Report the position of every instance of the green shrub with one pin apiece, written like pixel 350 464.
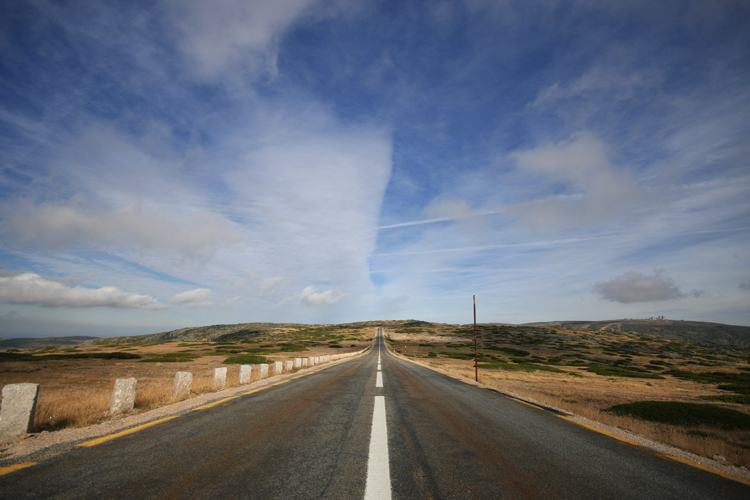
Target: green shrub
pixel 620 371
pixel 576 362
pixel 18 356
pixel 457 355
pixel 246 359
pixel 520 366
pixel 502 365
pixel 684 414
pixel 174 357
pixel 510 350
pixel 659 362
pixel 742 399
pixel 737 382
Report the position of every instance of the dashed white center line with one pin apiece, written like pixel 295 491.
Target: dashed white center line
pixel 378 471
pixel 379 381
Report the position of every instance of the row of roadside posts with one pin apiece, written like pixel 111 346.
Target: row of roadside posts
pixel 19 400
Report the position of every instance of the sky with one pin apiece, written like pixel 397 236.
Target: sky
pixel 166 164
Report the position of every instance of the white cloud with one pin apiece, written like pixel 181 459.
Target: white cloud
pixel 595 189
pixel 192 298
pixel 635 287
pixel 317 299
pixel 30 288
pixel 64 226
pixel 222 33
pixel 270 283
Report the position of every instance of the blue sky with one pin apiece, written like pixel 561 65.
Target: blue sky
pixel 177 163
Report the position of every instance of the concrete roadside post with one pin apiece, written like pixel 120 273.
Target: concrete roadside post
pixel 278 367
pixel 297 363
pixel 123 395
pixel 305 362
pixel 183 384
pixel 311 361
pixel 220 378
pixel 246 371
pixel 263 370
pixel 317 360
pixel 18 409
pixel 288 366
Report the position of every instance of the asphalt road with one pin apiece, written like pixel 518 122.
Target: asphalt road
pixel 334 434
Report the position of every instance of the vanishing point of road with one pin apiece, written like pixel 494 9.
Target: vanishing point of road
pixel 372 427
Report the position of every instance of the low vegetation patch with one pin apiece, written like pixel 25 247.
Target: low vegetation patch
pixel 510 350
pixel 18 356
pixel 736 382
pixel 620 371
pixel 246 359
pixel 525 367
pixel 684 414
pixel 172 357
pixel 740 399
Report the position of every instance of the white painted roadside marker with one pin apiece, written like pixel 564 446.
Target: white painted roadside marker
pixel 378 472
pixel 379 381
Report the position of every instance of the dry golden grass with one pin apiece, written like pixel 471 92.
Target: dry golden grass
pixel 585 393
pixel 77 392
pixel 588 396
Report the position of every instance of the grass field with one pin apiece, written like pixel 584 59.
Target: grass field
pixel 588 372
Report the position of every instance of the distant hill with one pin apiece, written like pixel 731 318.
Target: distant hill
pixel 217 333
pixel 41 343
pixel 695 331
pixel 213 333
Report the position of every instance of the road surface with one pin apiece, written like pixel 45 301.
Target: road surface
pixel 352 431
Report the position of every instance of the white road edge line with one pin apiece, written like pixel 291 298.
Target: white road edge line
pixel 379 381
pixel 378 471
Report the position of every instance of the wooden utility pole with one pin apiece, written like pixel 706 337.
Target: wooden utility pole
pixel 476 368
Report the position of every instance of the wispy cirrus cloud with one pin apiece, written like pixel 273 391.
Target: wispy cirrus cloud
pixel 30 288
